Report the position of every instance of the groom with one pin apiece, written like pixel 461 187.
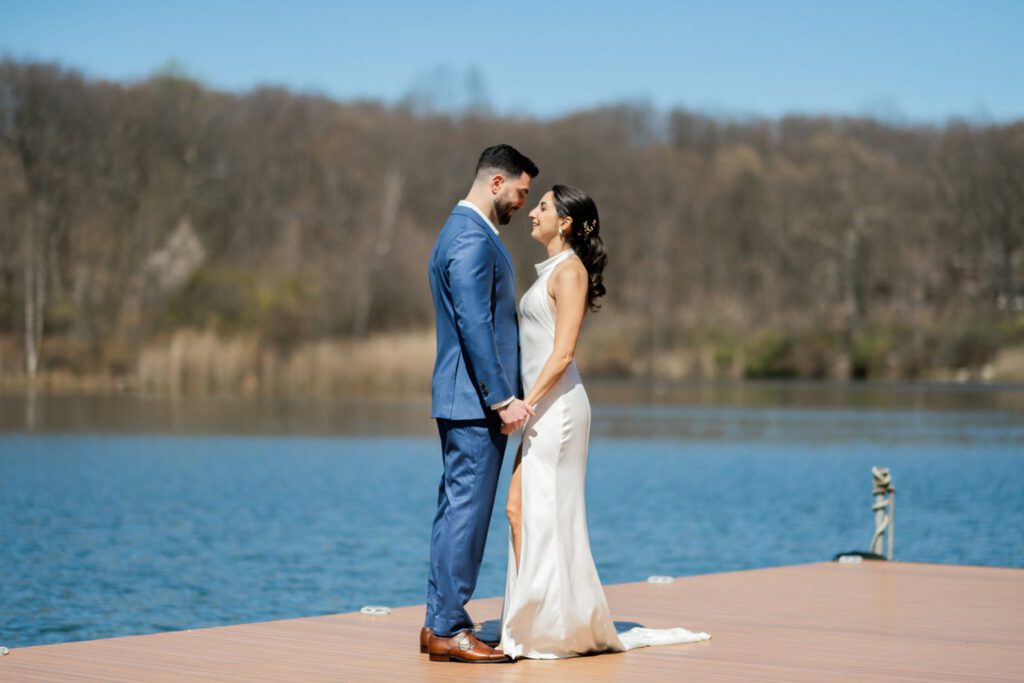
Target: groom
pixel 475 387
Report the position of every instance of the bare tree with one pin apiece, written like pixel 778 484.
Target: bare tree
pixel 381 242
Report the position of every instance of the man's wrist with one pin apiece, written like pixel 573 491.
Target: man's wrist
pixel 502 404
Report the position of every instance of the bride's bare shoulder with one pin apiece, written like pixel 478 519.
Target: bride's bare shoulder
pixel 570 273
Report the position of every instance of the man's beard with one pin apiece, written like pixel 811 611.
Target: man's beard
pixel 503 210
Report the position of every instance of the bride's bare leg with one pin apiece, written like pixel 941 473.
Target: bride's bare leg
pixel 514 509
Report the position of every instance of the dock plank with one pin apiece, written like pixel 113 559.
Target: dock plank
pixel 874 621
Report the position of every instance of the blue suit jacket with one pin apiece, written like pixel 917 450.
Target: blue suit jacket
pixel 474 289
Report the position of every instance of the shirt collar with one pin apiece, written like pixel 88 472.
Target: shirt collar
pixel 471 205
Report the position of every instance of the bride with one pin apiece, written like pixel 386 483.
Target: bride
pixel 554 604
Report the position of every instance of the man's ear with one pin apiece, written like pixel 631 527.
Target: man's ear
pixel 497 181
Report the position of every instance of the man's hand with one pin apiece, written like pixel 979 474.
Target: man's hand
pixel 514 415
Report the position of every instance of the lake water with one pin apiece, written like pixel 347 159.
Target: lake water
pixel 125 516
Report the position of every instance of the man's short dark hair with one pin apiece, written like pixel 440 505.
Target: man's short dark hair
pixel 508 160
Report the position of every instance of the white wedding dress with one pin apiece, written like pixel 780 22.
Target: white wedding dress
pixel 554 604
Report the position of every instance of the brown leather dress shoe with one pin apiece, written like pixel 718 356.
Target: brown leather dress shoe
pixel 425 640
pixel 425 634
pixel 464 647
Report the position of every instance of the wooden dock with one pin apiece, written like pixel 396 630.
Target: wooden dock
pixel 873 621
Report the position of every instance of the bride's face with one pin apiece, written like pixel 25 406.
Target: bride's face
pixel 545 219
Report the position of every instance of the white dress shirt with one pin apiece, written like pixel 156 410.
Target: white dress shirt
pixel 471 205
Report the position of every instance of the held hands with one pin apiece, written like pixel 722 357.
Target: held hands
pixel 514 415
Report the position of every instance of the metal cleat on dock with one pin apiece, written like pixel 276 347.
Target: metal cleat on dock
pixel 375 610
pixel 660 579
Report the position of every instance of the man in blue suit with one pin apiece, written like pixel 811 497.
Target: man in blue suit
pixel 476 386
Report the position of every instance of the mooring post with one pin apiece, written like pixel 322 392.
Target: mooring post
pixel 884 508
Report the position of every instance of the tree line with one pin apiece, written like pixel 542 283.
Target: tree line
pixel 817 246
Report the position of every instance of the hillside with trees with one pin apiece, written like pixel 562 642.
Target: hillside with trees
pixel 164 236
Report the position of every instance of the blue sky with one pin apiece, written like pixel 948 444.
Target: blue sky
pixel 900 60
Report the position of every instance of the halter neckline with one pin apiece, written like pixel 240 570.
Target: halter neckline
pixel 545 266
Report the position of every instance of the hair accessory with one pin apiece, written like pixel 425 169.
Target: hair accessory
pixel 588 227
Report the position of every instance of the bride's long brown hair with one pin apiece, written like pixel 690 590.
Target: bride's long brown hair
pixel 584 236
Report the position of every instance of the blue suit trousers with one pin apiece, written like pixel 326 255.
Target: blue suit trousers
pixel 472 453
